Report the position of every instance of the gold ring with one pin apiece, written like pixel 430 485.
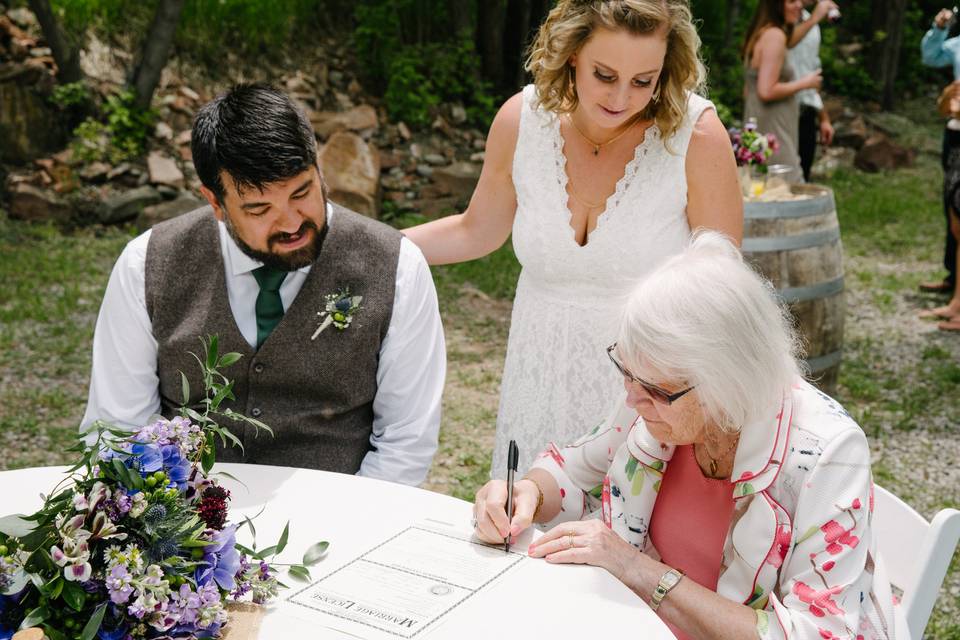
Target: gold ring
pixel 570 546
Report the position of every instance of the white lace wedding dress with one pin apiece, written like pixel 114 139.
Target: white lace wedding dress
pixel 557 381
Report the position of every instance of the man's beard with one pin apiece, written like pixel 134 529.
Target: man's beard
pixel 291 261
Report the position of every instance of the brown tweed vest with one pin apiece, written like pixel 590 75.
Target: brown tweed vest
pixel 316 395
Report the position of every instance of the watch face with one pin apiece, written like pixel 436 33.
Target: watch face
pixel 670 579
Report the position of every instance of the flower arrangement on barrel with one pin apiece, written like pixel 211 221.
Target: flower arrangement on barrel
pixel 136 541
pixel 752 149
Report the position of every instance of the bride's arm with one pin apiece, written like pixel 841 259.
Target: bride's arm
pixel 714 200
pixel 486 223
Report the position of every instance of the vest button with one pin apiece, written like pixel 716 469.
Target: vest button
pixel 256 412
pixel 258 368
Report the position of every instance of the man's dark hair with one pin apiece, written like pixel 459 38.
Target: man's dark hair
pixel 255 133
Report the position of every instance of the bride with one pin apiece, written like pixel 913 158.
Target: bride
pixel 601 168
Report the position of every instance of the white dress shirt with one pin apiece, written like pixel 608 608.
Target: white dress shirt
pixel 124 386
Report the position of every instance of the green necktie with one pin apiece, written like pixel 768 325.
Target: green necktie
pixel 269 305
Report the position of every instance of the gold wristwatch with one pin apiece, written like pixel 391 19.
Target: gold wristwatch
pixel 668 581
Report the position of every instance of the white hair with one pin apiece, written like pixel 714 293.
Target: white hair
pixel 707 319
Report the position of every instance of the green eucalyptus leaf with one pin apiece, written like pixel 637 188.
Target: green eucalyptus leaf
pixel 250 552
pixel 234 439
pixel 315 553
pixel 269 551
pixel 232 477
pixel 93 625
pixel 282 543
pixel 74 595
pixel 15 526
pixel 222 394
pixel 209 456
pixel 35 617
pixel 52 633
pixel 228 359
pixel 185 386
pixel 299 573
pixel 212 348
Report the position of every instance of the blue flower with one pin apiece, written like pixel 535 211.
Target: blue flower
pixel 118 633
pixel 145 458
pixel 221 561
pixel 344 304
pixel 176 467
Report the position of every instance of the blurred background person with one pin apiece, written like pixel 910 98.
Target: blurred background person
pixel 939 50
pixel 771 83
pixel 949 105
pixel 804 57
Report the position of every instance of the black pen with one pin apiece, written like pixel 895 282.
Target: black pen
pixel 512 458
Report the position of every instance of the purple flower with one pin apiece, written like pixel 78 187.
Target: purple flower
pixel 175 466
pixel 119 584
pixel 221 560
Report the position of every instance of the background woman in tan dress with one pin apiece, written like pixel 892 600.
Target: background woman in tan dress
pixel 770 84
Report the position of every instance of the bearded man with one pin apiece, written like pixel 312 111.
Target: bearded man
pixel 335 314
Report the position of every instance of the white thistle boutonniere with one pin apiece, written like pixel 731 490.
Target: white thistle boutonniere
pixel 338 311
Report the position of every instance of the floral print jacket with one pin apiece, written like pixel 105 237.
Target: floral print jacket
pixel 801 549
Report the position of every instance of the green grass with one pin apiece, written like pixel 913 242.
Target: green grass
pixel 895 214
pixel 51 283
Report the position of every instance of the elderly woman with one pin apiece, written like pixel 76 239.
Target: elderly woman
pixel 731 495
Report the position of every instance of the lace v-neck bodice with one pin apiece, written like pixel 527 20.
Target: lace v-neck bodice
pixel 614 199
pixel 557 382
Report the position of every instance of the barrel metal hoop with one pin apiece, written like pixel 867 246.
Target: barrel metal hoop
pixel 825 361
pixel 789 243
pixel 820 290
pixel 790 208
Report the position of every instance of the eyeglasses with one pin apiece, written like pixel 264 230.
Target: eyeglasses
pixel 656 393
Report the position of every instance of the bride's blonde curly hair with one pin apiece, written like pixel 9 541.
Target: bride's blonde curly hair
pixel 571 23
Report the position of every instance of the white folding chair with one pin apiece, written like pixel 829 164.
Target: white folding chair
pixel 916 554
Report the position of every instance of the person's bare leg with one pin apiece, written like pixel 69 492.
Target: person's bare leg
pixel 951 311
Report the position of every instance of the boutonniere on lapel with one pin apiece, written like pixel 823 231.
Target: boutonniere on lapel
pixel 338 311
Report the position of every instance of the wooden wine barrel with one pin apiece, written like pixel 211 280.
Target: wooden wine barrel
pixel 796 244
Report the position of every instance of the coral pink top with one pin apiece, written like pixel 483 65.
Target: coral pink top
pixel 690 520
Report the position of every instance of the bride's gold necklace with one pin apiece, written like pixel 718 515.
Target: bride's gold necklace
pixel 596 151
pixel 598 145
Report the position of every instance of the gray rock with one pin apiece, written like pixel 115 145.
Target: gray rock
pixel 127 205
pixel 435 159
pixel 95 172
pixel 459 179
pixel 168 192
pixel 118 170
pixel 164 170
pixel 458 114
pixel 157 213
pixel 879 153
pixel 23 17
pixel 28 202
pixel 424 170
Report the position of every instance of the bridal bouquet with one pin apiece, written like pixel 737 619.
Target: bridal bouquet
pixel 750 147
pixel 135 542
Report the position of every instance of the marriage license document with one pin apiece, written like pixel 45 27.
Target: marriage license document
pixel 405 586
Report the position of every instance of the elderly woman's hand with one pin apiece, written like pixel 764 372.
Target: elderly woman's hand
pixel 490 512
pixel 587 542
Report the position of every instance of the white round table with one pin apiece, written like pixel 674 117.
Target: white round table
pixel 354 514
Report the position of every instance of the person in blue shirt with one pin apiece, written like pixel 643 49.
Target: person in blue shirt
pixel 939 50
